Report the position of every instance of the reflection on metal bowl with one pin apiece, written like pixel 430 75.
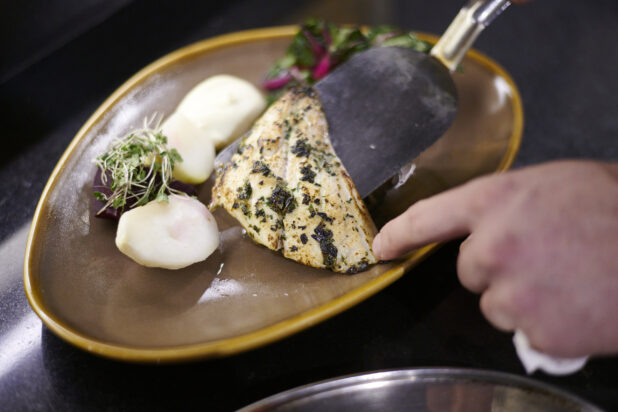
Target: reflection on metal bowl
pixel 430 390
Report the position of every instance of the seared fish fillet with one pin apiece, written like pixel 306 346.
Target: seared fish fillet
pixel 289 190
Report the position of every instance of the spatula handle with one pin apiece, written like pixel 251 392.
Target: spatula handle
pixel 469 23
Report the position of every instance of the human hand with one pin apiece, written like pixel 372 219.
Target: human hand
pixel 542 250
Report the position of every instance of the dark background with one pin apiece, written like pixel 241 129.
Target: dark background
pixel 60 60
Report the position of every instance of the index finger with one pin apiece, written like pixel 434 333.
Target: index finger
pixel 445 216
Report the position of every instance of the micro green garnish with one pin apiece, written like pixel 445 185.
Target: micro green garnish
pixel 139 166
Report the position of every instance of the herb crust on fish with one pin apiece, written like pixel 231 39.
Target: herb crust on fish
pixel 289 190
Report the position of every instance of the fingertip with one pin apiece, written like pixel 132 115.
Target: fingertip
pixel 377 247
pixel 384 248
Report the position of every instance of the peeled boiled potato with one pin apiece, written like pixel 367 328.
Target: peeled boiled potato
pixel 170 235
pixel 224 106
pixel 193 145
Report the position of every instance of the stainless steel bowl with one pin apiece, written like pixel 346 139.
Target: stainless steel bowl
pixel 432 389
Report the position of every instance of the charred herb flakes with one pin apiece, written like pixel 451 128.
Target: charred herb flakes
pixel 301 148
pixel 245 192
pixel 325 238
pixel 261 167
pixel 308 174
pixel 281 201
pixel 361 267
pixel 325 217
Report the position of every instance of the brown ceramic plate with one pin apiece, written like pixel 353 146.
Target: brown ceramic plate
pixel 244 295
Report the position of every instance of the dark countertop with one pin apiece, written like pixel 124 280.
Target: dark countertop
pixel 563 56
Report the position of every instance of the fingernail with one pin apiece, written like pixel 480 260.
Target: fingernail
pixel 377 246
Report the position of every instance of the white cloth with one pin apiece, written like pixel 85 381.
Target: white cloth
pixel 533 359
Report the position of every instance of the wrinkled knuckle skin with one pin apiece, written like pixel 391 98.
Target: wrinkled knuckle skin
pixel 487 260
pixel 610 169
pixel 502 251
pixel 525 300
pixel 507 184
pixel 494 190
pixel 483 198
pixel 482 259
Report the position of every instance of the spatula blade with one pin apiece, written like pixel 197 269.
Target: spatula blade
pixel 384 107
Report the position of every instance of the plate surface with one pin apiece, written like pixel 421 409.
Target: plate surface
pixel 426 390
pixel 244 295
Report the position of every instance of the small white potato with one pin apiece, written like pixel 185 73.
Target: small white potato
pixel 224 106
pixel 193 145
pixel 170 235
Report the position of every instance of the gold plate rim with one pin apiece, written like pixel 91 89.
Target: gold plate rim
pixel 265 335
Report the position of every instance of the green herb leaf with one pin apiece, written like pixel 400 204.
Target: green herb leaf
pixel 376 32
pixel 407 40
pixel 301 50
pixel 321 44
pixel 161 197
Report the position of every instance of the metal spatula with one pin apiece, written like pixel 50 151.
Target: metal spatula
pixel 386 105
